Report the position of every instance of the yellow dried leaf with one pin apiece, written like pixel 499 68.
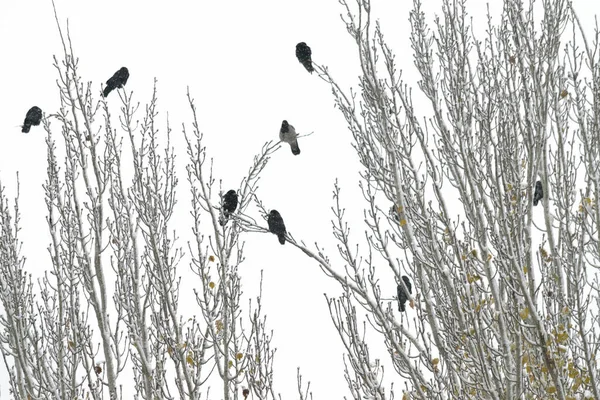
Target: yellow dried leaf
pixel 211 285
pixel 525 270
pixel 573 373
pixel 562 337
pixel 551 389
pixel 524 313
pixel 509 186
pixel 405 396
pixel 489 257
pixel 239 356
pixel 400 209
pixel 402 222
pixel 435 361
pixel 230 363
pixel 474 253
pixel 211 258
pixel 189 359
pixel 564 93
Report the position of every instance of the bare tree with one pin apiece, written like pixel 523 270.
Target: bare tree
pixel 108 314
pixel 505 295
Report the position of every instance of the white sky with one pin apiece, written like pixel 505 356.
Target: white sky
pixel 238 58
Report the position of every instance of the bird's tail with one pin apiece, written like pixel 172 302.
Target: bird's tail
pixel 281 237
pixel 295 148
pixel 25 128
pixel 107 90
pixel 308 65
pixel 223 218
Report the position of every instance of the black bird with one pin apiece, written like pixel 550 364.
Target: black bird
pixel 228 206
pixel 116 81
pixel 33 117
pixel 276 225
pixel 288 134
pixel 539 193
pixel 303 54
pixel 402 295
pixel 394 213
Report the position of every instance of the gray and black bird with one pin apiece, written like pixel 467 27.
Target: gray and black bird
pixel 402 295
pixel 276 225
pixel 228 206
pixel 116 81
pixel 538 194
pixel 303 54
pixel 33 117
pixel 288 134
pixel 394 213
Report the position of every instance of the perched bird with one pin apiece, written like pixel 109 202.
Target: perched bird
pixel 228 206
pixel 303 54
pixel 402 295
pixel 539 193
pixel 33 117
pixel 288 134
pixel 276 225
pixel 245 392
pixel 116 81
pixel 394 213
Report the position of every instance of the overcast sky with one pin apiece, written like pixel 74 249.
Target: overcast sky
pixel 238 59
